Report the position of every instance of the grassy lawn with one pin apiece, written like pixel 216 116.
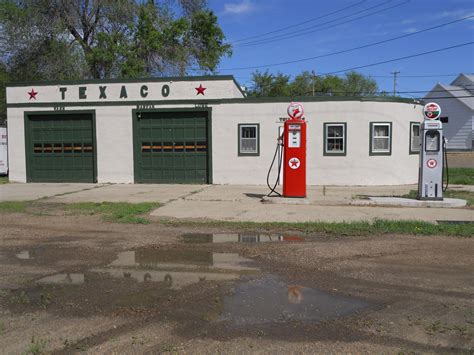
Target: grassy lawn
pixel 14 206
pixel 342 229
pixel 122 212
pixel 461 176
pixel 3 180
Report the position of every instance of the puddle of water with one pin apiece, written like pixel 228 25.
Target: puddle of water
pixel 23 255
pixel 270 300
pixel 182 259
pixel 68 279
pixel 239 238
pixel 177 268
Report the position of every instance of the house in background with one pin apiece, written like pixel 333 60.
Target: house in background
pixel 457 111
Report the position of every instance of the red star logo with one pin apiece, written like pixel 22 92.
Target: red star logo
pixel 200 90
pixel 33 94
pixel 294 163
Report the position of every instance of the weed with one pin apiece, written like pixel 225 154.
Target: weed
pixel 171 349
pixel 2 328
pixel 21 298
pixel 13 206
pixel 3 180
pixel 37 346
pixel 44 300
pixel 121 212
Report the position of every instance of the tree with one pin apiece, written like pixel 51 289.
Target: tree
pixel 352 84
pixel 3 81
pixel 269 85
pixel 107 38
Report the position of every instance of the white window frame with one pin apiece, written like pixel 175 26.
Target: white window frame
pixel 415 150
pixel 326 138
pixel 387 151
pixel 257 139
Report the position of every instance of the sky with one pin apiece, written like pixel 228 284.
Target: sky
pixel 264 32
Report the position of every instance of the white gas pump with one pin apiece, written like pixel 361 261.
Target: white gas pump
pixel 430 179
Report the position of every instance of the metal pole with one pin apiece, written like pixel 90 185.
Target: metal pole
pixel 395 73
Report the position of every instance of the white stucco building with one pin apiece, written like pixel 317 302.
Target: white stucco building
pixel 200 130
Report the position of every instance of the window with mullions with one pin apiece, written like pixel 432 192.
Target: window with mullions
pixel 380 138
pixel 335 139
pixel 249 139
pixel 415 142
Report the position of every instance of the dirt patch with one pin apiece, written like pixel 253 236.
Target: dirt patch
pixel 77 283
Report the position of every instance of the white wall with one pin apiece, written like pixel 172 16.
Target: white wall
pixel 356 168
pixel 115 142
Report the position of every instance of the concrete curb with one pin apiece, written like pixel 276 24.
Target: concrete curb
pixel 407 202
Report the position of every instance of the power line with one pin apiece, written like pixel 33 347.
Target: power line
pixel 298 24
pixel 301 32
pixel 247 78
pixel 354 48
pixel 400 58
pixel 384 92
pixel 447 97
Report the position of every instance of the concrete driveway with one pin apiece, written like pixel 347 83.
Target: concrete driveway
pixel 238 203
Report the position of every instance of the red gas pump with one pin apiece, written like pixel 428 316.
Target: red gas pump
pixel 294 157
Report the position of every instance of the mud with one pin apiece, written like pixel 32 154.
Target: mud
pixel 78 284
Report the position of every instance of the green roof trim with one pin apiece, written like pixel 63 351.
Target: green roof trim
pixel 218 101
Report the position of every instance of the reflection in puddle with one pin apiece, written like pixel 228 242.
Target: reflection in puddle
pixel 239 238
pixel 177 268
pixel 24 255
pixel 73 279
pixel 268 299
pixel 182 259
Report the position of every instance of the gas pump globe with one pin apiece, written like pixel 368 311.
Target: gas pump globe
pixel 430 179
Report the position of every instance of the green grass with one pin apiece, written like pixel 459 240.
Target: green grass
pixel 121 212
pixel 342 228
pixel 462 194
pixel 37 346
pixel 14 206
pixel 3 180
pixel 461 176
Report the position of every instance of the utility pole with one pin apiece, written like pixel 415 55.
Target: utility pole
pixel 395 73
pixel 314 77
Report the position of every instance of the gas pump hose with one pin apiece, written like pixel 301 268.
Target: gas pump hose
pixel 446 164
pixel 278 152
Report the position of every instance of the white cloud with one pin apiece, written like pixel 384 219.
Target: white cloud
pixel 410 30
pixel 238 8
pixel 456 13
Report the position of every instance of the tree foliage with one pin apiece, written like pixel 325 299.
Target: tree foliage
pixel 266 84
pixel 66 39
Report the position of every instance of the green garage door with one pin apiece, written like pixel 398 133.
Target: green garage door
pixel 60 148
pixel 171 147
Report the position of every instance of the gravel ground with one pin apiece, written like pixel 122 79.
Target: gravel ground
pixel 78 284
